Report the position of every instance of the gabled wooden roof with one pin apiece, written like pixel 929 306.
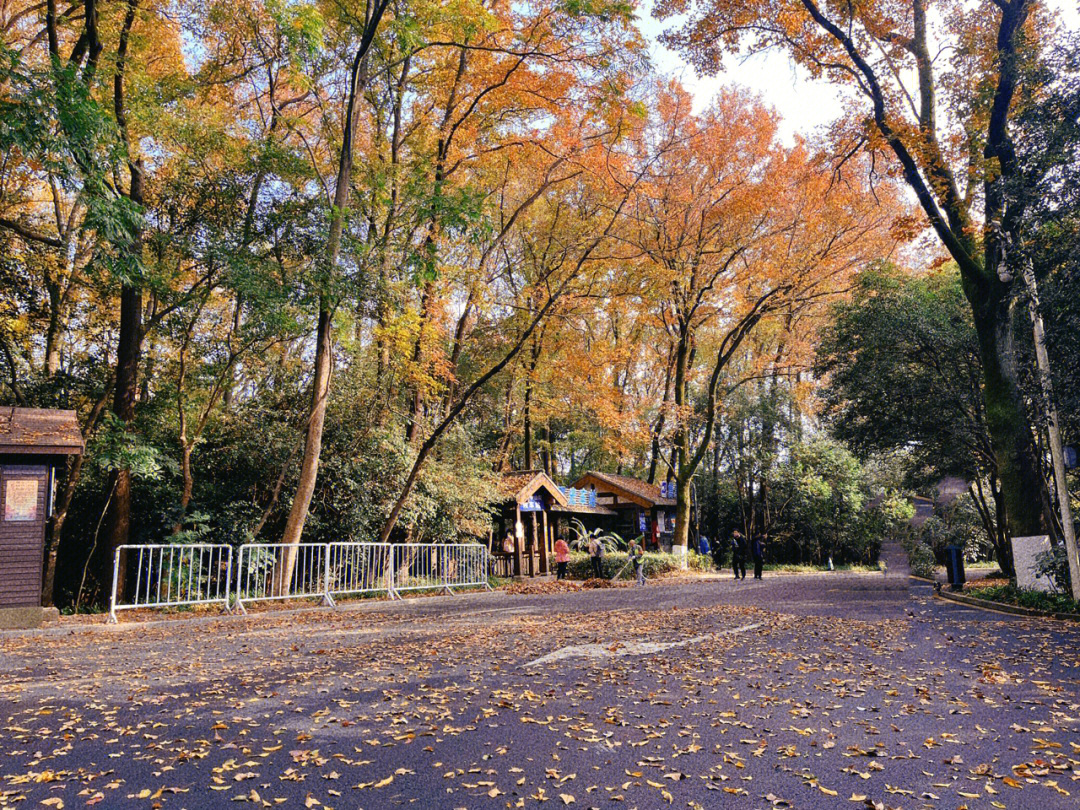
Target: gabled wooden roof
pixel 523 484
pixel 632 489
pixel 37 430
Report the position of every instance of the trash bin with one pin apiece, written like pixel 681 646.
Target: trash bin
pixel 954 567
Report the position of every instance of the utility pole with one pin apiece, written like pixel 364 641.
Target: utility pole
pixel 1057 454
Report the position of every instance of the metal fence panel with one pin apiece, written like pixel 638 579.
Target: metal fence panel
pixel 415 567
pixel 420 566
pixel 266 571
pixel 467 566
pixel 171 576
pixel 357 568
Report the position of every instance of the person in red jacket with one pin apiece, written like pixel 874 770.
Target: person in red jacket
pixel 562 558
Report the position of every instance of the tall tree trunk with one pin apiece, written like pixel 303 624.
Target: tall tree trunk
pixel 526 427
pixel 129 342
pixel 127 373
pixel 54 331
pixel 309 467
pixel 320 386
pixel 1053 429
pixel 683 472
pixel 546 452
pixel 1010 432
pixel 228 390
pixel 658 427
pixel 63 505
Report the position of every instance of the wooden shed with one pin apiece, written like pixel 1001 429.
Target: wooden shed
pixel 33 443
pixel 642 508
pixel 524 513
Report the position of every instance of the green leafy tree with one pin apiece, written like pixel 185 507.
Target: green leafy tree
pixel 903 372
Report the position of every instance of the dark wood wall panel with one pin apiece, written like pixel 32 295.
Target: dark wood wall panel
pixel 21 542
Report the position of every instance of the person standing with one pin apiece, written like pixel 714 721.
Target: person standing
pixel 596 557
pixel 703 546
pixel 562 558
pixel 738 554
pixel 637 559
pixel 759 554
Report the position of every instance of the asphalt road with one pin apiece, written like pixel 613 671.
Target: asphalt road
pixel 797 691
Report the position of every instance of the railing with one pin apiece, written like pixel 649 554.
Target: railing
pixel 502 565
pixel 358 568
pixel 268 571
pixel 179 575
pixel 421 567
pixel 171 576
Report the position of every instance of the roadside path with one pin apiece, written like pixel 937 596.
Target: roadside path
pixel 801 691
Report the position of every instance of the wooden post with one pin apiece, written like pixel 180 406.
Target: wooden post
pixel 517 540
pixel 544 568
pixel 532 546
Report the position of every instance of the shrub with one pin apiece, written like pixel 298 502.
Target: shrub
pixel 1038 600
pixel 921 558
pixel 1054 565
pixel 656 563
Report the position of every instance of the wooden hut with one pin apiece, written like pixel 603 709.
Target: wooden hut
pixel 641 508
pixel 524 511
pixel 33 443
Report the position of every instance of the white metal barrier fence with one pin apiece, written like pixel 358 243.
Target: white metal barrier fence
pixel 179 575
pixel 419 566
pixel 170 576
pixel 358 568
pixel 267 571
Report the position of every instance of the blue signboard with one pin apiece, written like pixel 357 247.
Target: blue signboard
pixel 667 489
pixel 534 504
pixel 579 497
pixel 643 522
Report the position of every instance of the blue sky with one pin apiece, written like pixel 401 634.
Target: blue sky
pixel 805 104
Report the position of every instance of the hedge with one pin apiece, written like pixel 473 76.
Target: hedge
pixel 1036 600
pixel 656 563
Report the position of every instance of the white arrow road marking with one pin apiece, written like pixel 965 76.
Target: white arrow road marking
pixel 619 649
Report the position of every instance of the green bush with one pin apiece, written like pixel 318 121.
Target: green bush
pixel 921 558
pixel 1037 600
pixel 1054 565
pixel 656 563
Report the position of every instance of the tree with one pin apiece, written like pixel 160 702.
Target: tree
pixel 959 165
pixel 898 344
pixel 734 229
pixel 320 383
pixel 1048 145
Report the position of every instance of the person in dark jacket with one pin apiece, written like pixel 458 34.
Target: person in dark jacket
pixel 738 554
pixel 596 557
pixel 758 550
pixel 636 555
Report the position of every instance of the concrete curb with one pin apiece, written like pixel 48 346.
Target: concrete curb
pixel 1002 607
